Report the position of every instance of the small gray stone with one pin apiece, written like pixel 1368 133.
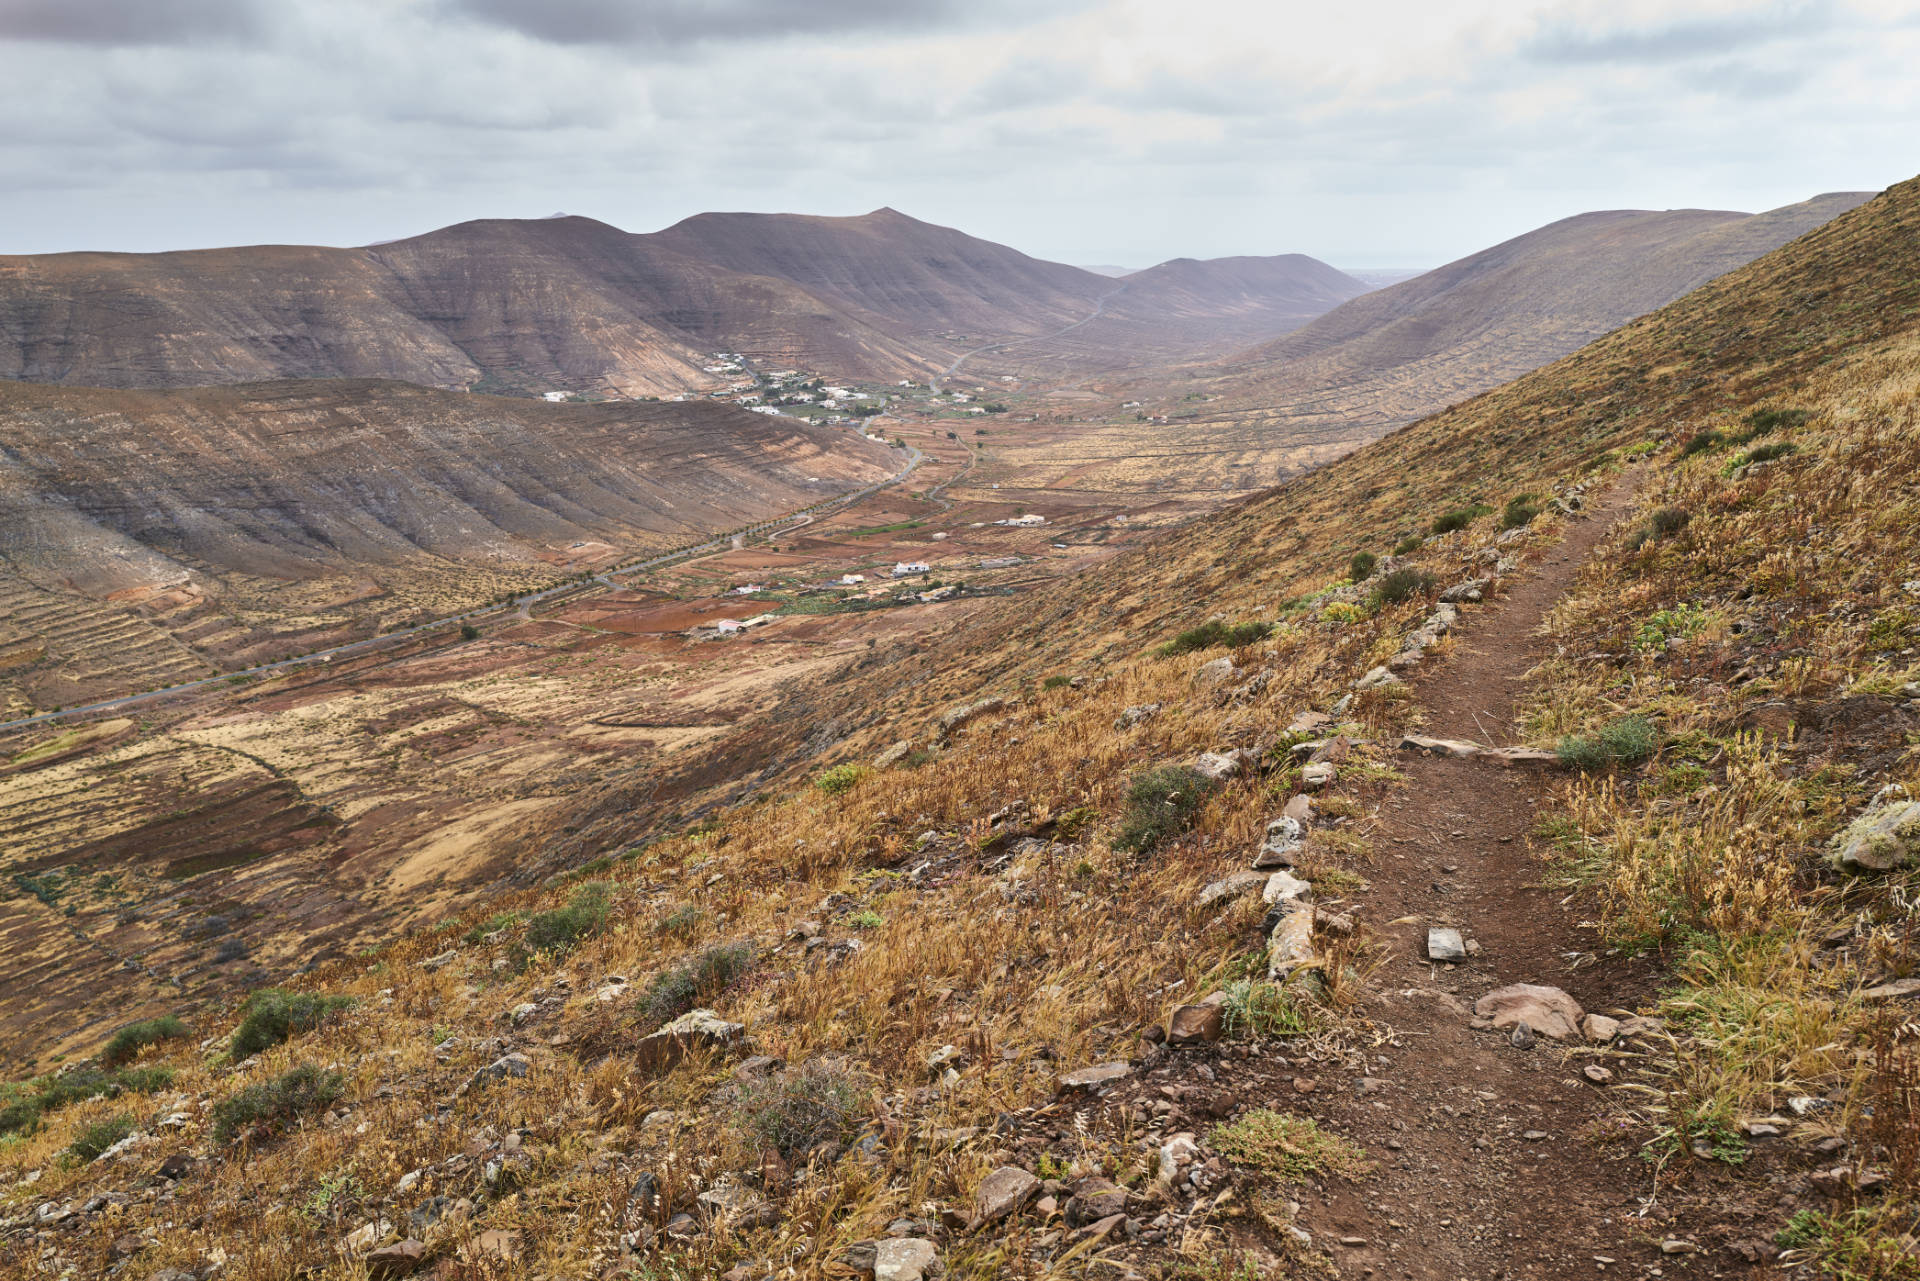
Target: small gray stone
pixel 1445 944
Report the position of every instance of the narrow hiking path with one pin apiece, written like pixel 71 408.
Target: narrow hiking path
pixel 1488 1160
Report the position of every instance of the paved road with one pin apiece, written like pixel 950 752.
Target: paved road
pixel 522 605
pixel 933 384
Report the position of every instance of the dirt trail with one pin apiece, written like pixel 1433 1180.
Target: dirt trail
pixel 1487 1162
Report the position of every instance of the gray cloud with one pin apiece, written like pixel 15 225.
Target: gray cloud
pixel 1573 43
pixel 128 22
pixel 683 22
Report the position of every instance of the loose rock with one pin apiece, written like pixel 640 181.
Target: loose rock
pixel 1546 1010
pixel 1002 1193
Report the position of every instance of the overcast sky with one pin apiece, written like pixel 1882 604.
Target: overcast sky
pixel 1368 133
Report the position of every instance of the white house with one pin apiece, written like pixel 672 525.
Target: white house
pixel 851 580
pixel 730 626
pixel 554 397
pixel 1027 521
pixel 907 567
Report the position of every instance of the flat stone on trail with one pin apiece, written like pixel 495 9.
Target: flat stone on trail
pixel 1445 944
pixel 1511 756
pixel 1317 775
pixel 1546 1010
pixel 1092 1078
pixel 1002 1193
pixel 1454 747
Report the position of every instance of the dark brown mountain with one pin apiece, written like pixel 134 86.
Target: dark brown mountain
pixel 1390 356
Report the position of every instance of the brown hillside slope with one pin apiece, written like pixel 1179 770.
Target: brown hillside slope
pixel 1398 353
pixel 215 521
pixel 931 944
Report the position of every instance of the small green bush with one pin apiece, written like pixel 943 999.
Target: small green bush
pixel 1768 452
pixel 1408 545
pixel 682 922
pixel 1161 803
pixel 1459 518
pixel 469 632
pixel 1701 443
pixel 97 1137
pixel 675 991
pixel 135 1037
pixel 271 1015
pixel 1214 632
pixel 559 929
pixel 1668 521
pixel 797 1111
pixel 1056 682
pixel 1401 585
pixel 23 1103
pixel 1762 421
pixel 295 1092
pixel 839 779
pixel 1521 509
pixel 1626 741
pixel 1360 568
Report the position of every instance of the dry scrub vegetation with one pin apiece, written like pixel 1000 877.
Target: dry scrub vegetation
pixel 972 894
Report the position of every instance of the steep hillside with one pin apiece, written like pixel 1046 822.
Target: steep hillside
pixel 222 524
pixel 1390 356
pixel 1010 997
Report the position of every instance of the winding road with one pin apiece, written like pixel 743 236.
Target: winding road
pixel 521 605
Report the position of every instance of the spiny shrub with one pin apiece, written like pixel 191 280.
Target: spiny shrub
pixel 797 1111
pixel 96 1138
pixel 1401 585
pixel 1459 518
pixel 1626 741
pixel 1214 632
pixel 559 929
pixel 1361 566
pixel 135 1037
pixel 22 1104
pixel 1161 803
pixel 1701 443
pixel 271 1015
pixel 1521 509
pixel 840 778
pixel 675 991
pixel 295 1092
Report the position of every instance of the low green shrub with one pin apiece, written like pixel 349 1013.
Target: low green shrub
pixel 1626 741
pixel 135 1037
pixel 96 1137
pixel 271 1015
pixel 839 779
pixel 1459 518
pixel 1401 585
pixel 1161 803
pixel 1668 521
pixel 1701 443
pixel 1520 511
pixel 1214 632
pixel 1056 682
pixel 1408 545
pixel 559 929
pixel 1768 452
pixel 675 991
pixel 797 1111
pixel 23 1103
pixel 1763 421
pixel 1360 568
pixel 294 1093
